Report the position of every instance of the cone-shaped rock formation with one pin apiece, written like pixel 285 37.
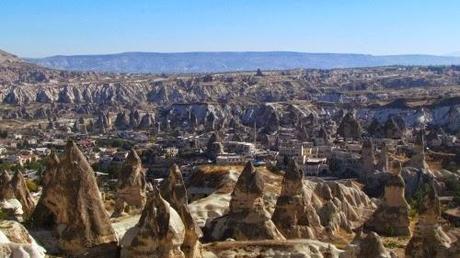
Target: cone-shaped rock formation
pixel 131 185
pixel 72 203
pixel 173 190
pixel 247 218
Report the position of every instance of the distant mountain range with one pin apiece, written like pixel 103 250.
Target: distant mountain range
pixel 194 62
pixel 457 54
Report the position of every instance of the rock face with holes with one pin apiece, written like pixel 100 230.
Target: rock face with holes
pixel 159 232
pixel 131 185
pixel 392 216
pixel 429 239
pixel 173 190
pixel 294 213
pixel 247 218
pixel 71 206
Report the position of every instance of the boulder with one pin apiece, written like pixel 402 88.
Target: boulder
pixel 15 241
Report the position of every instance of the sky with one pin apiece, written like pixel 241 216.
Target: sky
pixel 37 28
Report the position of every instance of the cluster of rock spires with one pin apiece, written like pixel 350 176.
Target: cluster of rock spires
pixel 303 209
pixel 393 128
pixel 159 232
pixel 134 121
pixel 15 189
pixel 174 191
pixel 71 208
pixel 166 227
pixel 247 218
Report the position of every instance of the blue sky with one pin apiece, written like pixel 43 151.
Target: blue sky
pixel 34 28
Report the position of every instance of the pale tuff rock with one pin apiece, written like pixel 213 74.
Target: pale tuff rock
pixel 392 216
pixel 418 159
pixel 299 248
pixel 72 204
pixel 247 218
pixel 12 189
pixel 368 157
pixel 210 121
pixel 6 189
pixel 173 190
pixel 429 240
pixel 12 209
pixel 159 232
pixel 131 188
pixel 22 193
pixel 16 242
pixel 367 245
pixel 383 161
pixel 294 214
pixel 340 206
pixel 349 127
